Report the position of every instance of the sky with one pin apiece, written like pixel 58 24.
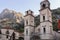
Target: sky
pixel 24 5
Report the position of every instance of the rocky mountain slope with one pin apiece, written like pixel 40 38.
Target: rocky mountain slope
pixel 11 14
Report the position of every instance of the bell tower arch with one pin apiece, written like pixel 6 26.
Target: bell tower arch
pixel 46 28
pixel 29 25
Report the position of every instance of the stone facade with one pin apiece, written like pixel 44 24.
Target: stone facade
pixel 42 32
pixel 7 34
pixel 29 25
pixel 45 30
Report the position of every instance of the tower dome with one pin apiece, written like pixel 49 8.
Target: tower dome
pixel 45 4
pixel 29 12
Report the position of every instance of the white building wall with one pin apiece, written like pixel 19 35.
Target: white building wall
pixel 46 24
pixel 3 35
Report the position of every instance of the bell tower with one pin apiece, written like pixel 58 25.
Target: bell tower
pixel 45 4
pixel 46 28
pixel 29 24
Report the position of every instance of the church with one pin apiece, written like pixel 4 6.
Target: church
pixel 45 30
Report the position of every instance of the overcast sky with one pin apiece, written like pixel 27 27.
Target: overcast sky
pixel 23 5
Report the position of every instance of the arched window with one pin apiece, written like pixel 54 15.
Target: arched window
pixel 43 18
pixel 26 22
pixel 44 30
pixel 7 32
pixel 0 32
pixel 26 31
pixel 43 5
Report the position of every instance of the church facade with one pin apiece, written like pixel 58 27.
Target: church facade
pixel 45 30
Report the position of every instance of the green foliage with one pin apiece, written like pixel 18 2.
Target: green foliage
pixel 55 18
pixel 19 27
pixel 54 22
pixel 37 20
pixel 55 26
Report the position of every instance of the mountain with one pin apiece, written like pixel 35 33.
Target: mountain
pixel 56 13
pixel 11 18
pixel 6 13
pixel 11 14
